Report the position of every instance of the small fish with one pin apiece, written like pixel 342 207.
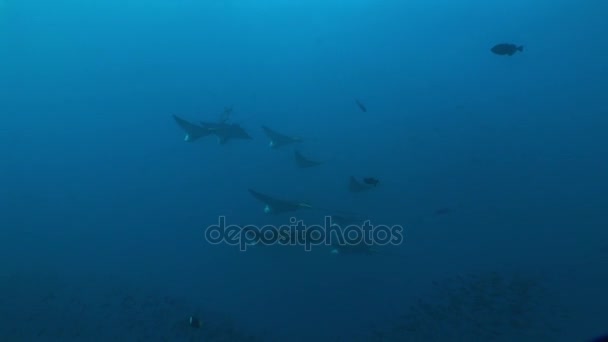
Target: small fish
pixel 371 181
pixel 361 106
pixel 506 49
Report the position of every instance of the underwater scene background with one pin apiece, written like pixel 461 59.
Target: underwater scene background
pixel 492 158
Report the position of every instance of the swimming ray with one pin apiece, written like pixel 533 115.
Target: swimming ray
pixel 277 206
pixel 193 131
pixel 279 140
pixel 355 186
pixel 361 106
pixel 226 131
pixel 344 220
pixel 360 248
pixel 304 162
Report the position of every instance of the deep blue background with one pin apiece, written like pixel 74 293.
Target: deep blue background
pixel 96 180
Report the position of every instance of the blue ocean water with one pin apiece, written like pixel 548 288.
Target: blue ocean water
pixel 495 166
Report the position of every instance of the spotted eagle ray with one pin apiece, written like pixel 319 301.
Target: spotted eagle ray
pixel 193 131
pixel 356 186
pixel 279 140
pixel 278 206
pixel 304 162
pixel 226 131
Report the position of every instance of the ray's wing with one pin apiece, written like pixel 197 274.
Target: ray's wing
pixel 277 139
pixel 303 162
pixel 193 131
pixel 275 205
pixel 355 186
pixel 271 201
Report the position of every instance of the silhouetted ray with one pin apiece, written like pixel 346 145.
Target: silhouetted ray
pixel 355 249
pixel 442 211
pixel 277 206
pixel 360 248
pixel 344 220
pixel 278 140
pixel 211 125
pixel 371 181
pixel 193 131
pixel 361 106
pixel 304 162
pixel 356 186
pixel 226 132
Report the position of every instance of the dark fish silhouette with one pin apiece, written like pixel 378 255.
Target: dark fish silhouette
pixel 304 162
pixel 346 220
pixel 193 131
pixel 361 106
pixel 371 181
pixel 442 211
pixel 277 206
pixel 360 248
pixel 600 339
pixel 278 140
pixel 355 186
pixel 195 322
pixel 226 131
pixel 356 249
pixel 506 49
